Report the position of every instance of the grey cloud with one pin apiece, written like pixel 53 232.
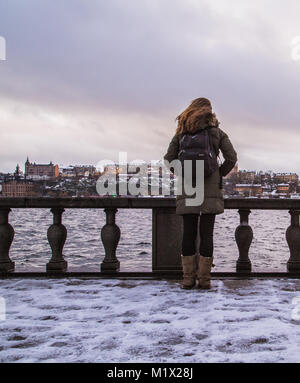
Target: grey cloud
pixel 152 58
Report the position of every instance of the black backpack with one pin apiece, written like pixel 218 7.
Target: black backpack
pixel 198 146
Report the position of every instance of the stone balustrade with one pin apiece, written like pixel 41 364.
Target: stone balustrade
pixel 166 230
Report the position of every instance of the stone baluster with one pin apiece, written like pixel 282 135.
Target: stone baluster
pixel 243 237
pixel 293 240
pixel 57 234
pixel 110 235
pixel 6 237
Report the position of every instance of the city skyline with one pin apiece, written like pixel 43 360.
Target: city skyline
pixel 77 165
pixel 48 180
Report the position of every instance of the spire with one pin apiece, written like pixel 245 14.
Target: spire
pixel 27 161
pixel 17 173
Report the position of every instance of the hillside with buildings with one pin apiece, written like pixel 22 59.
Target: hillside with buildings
pixel 52 180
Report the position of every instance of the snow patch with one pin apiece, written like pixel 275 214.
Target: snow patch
pixel 79 320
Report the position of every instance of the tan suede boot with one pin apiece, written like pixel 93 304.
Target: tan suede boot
pixel 204 269
pixel 189 271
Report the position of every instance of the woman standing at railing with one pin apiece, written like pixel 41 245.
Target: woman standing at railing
pixel 198 129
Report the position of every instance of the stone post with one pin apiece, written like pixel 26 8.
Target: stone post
pixel 110 236
pixel 6 237
pixel 293 240
pixel 243 237
pixel 57 234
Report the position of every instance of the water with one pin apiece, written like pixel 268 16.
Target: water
pixel 84 250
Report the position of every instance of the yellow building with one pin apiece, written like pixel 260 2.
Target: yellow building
pixel 248 189
pixel 283 188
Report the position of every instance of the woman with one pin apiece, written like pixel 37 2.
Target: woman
pixel 196 117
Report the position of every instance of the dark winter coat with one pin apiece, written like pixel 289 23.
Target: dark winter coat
pixel 213 197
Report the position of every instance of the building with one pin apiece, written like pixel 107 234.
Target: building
pixel 18 188
pixel 67 171
pixel 114 169
pixel 248 189
pixel 283 188
pixel 35 171
pixel 77 171
pixel 84 170
pixel 286 177
pixel 245 176
pixel 265 177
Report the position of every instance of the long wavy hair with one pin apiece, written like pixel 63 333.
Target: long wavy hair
pixel 197 115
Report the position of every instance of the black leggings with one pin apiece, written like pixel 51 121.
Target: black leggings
pixel 190 229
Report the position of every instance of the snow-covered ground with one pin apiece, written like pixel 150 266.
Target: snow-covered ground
pixel 79 320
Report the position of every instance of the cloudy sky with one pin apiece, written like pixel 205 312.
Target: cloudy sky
pixel 84 80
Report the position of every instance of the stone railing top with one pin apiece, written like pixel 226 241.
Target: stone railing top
pixel 140 203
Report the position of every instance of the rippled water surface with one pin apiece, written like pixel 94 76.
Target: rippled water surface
pixel 84 250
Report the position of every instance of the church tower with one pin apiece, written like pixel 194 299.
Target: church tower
pixel 27 164
pixel 17 173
